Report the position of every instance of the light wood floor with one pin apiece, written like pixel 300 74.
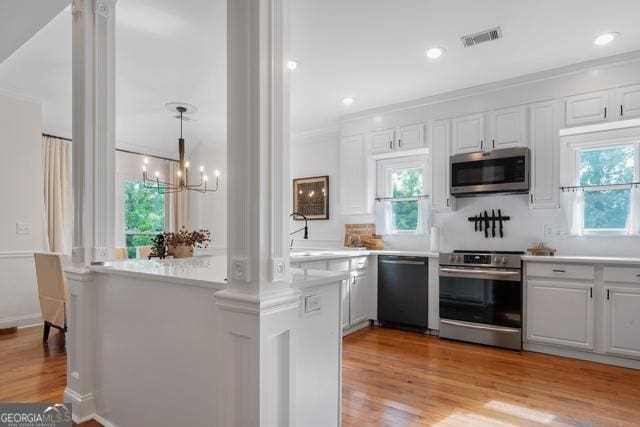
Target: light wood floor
pixel 399 378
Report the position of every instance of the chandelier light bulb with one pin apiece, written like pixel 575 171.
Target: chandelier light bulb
pixel 144 168
pixel 157 174
pixel 145 161
pixel 216 173
pixel 187 164
pixel 205 178
pixel 179 173
pixel 201 168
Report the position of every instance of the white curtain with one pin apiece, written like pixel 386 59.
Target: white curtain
pixel 175 204
pixel 424 216
pixel 572 204
pixel 56 162
pixel 633 220
pixel 383 217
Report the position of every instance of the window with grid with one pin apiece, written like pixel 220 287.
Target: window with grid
pixel 143 215
pixel 405 184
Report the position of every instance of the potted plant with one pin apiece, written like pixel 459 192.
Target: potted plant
pixel 181 243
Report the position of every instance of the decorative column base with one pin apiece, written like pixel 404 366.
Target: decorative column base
pixel 258 335
pixel 81 325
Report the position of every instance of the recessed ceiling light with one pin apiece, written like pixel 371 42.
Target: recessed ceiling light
pixel 348 100
pixel 605 38
pixel 434 52
pixel 292 65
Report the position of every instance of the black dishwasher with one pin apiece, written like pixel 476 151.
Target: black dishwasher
pixel 403 283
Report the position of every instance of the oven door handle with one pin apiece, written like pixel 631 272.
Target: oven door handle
pixel 498 274
pixel 483 327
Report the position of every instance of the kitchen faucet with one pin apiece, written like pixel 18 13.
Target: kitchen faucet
pixel 305 228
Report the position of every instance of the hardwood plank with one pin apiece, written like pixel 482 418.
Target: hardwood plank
pixel 399 378
pixel 394 378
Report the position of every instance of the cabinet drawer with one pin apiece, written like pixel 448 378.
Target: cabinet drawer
pixel 622 274
pixel 561 271
pixel 360 263
pixel 339 265
pixel 314 265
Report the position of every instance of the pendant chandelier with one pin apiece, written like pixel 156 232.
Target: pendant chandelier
pixel 182 174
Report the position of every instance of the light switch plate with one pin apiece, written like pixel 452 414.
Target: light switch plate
pixel 549 230
pixel 23 228
pixel 312 303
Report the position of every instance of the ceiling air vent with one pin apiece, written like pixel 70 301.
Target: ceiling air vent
pixel 481 37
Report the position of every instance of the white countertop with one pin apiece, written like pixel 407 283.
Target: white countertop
pixel 325 254
pixel 583 259
pixel 207 271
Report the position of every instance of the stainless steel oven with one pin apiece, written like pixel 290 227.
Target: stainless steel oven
pixel 481 298
pixel 498 171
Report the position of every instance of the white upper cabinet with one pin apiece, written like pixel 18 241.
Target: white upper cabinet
pixel 441 200
pixel 629 102
pixel 410 137
pixel 508 128
pixel 468 133
pixel 382 141
pixel 560 313
pixel 353 175
pixel 587 108
pixel 544 182
pixel 622 320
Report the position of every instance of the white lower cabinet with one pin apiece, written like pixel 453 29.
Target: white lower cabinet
pixel 622 320
pixel 560 313
pixel 344 292
pixel 358 299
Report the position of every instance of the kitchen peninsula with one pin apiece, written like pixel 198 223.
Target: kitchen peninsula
pixel 153 330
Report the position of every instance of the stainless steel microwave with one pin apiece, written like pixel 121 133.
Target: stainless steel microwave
pixel 498 171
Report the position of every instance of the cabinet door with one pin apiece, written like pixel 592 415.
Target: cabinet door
pixel 587 108
pixel 410 137
pixel 509 128
pixel 344 297
pixel 468 133
pixel 629 102
pixel 544 192
pixel 560 313
pixel 441 200
pixel 353 175
pixel 358 299
pixel 382 141
pixel 622 320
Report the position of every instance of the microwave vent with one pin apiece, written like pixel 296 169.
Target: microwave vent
pixel 482 37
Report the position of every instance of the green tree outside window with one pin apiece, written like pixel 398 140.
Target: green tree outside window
pixel 143 213
pixel 405 183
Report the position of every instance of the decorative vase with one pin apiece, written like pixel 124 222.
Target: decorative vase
pixel 180 251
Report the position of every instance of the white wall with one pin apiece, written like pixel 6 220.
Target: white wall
pixel 209 210
pixel 314 156
pixel 23 201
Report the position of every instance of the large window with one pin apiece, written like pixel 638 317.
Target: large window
pixel 143 215
pixel 607 205
pixel 406 184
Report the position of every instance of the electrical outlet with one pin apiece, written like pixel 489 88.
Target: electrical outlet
pixel 312 303
pixel 23 228
pixel 549 230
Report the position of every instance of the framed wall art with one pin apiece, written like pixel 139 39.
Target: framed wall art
pixel 311 197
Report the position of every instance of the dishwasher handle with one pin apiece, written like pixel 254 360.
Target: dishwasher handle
pixel 406 262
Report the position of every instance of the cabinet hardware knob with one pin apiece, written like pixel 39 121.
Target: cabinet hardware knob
pixel 590 292
pixel 399 142
pixel 621 111
pixel 448 206
pixel 559 271
pixel 493 143
pixel 481 145
pixel 531 197
pixel 605 112
pixel 390 145
pixel 608 294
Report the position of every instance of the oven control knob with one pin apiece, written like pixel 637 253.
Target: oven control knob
pixel 503 260
pixel 450 257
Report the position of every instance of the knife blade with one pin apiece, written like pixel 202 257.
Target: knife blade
pixel 486 225
pixel 493 223
pixel 500 220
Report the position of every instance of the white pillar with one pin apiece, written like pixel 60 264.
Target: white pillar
pixel 93 154
pixel 259 310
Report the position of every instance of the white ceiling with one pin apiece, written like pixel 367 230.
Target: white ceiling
pixel 370 49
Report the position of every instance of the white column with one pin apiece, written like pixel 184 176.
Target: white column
pixel 259 310
pixel 93 149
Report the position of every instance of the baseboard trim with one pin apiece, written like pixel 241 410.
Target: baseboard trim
pixel 82 406
pixel 582 355
pixel 21 321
